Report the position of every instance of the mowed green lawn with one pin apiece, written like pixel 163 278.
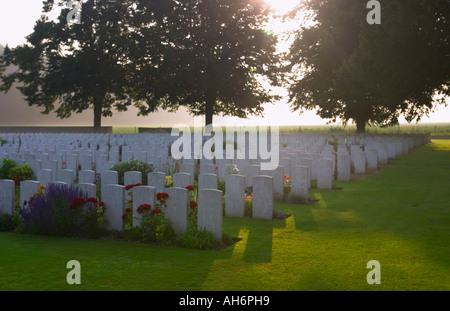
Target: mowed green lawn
pixel 399 216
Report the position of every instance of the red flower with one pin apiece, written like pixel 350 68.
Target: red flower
pixel 161 195
pixel 77 203
pixel 93 200
pixel 101 203
pixel 156 211
pixel 124 216
pixel 190 188
pixel 64 163
pixel 193 204
pixel 143 207
pixel 127 210
pixel 128 187
pixel 25 203
pixel 217 167
pixel 15 180
pixel 162 201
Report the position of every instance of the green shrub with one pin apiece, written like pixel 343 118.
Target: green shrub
pixel 197 239
pixel 2 141
pixel 5 166
pixel 132 165
pixel 8 223
pixel 21 173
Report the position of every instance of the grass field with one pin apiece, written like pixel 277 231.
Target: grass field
pixel 400 217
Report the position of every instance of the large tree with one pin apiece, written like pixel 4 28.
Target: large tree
pixel 216 57
pixel 69 67
pixel 351 70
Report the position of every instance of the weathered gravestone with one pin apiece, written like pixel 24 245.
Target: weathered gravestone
pixel 262 197
pixel 142 195
pixel 113 196
pixel 234 195
pixel 7 196
pixel 177 205
pixel 210 212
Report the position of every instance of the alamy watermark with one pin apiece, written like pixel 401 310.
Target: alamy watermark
pixel 374 15
pixel 209 143
pixel 74 15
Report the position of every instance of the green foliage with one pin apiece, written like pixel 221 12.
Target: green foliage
pixel 8 223
pixel 352 71
pixel 21 173
pixel 235 52
pixel 132 165
pixel 5 167
pixel 2 141
pixel 197 239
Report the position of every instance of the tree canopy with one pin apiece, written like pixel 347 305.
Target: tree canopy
pixel 70 67
pixel 216 53
pixel 351 70
pixel 208 56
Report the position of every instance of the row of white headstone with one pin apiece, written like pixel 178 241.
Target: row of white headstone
pixel 304 158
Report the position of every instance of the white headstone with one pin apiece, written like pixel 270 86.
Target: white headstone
pixel 177 205
pixel 234 195
pixel 262 197
pixel 210 212
pixel 7 196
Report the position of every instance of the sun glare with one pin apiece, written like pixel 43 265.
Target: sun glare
pixel 282 6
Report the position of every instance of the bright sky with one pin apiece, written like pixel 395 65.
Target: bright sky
pixel 17 19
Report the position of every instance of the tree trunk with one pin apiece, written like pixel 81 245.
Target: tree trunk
pixel 209 109
pixel 361 127
pixel 98 114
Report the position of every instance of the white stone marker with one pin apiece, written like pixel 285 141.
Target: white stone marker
pixel 109 178
pixel 86 177
pixel 207 181
pixel 278 180
pixel 359 161
pixel 343 167
pixel 177 205
pixel 157 180
pixel 234 195
pixel 7 196
pixel 325 174
pixel 190 169
pixel 142 195
pixel 208 169
pixel 66 176
pixel 89 189
pixel 372 158
pixel 262 197
pixel 27 189
pixel 299 181
pixel 45 176
pixel 253 170
pixel 210 212
pixel 182 180
pixel 114 198
pixel 132 178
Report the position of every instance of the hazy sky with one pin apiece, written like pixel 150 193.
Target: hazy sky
pixel 17 19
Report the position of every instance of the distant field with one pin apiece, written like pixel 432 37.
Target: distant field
pixel 432 128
